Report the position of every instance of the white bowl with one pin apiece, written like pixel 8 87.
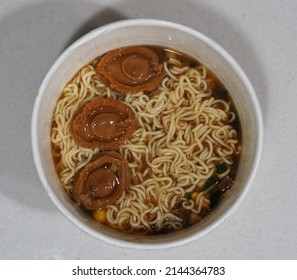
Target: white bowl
pixel 147 32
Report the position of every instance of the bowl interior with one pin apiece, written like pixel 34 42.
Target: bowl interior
pixel 146 32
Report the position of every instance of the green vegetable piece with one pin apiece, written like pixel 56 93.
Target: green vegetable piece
pixel 188 195
pixel 210 182
pixel 221 168
pixel 215 196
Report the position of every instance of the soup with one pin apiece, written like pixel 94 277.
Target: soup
pixel 146 140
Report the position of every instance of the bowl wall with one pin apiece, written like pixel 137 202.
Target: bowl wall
pixel 147 32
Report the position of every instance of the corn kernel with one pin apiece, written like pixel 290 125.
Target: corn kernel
pixel 194 195
pixel 100 216
pixel 205 204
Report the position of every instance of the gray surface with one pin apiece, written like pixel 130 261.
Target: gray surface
pixel 260 35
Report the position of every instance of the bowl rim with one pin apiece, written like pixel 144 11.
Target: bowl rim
pixel 36 149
